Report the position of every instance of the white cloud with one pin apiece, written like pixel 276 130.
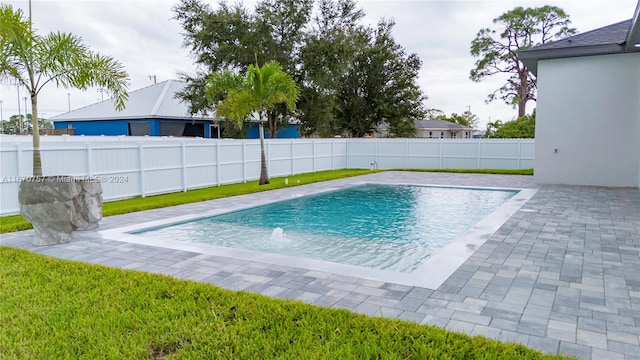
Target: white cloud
pixel 143 36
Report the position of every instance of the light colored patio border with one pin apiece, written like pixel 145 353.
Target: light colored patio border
pixel 431 274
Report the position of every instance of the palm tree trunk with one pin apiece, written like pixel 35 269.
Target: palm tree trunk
pixel 37 160
pixel 264 177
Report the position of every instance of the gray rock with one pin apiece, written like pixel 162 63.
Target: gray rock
pixel 88 204
pixel 58 205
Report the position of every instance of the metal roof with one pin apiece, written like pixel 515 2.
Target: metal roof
pixel 155 101
pixel 439 124
pixel 432 125
pixel 617 38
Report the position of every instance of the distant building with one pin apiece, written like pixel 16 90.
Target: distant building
pixel 433 129
pixel 479 134
pixel 284 132
pixel 154 111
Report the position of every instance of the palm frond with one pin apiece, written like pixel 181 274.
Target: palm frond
pixel 219 84
pixel 61 58
pixel 238 105
pixel 259 90
pixel 15 36
pixel 34 61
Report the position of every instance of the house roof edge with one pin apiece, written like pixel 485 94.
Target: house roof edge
pixel 531 58
pixel 633 36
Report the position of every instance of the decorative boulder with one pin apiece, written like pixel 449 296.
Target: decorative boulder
pixel 88 204
pixel 58 205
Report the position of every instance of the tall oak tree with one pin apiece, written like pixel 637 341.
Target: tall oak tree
pixel 497 50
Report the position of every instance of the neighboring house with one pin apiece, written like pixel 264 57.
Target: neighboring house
pixel 153 110
pixel 433 129
pixel 479 134
pixel 588 107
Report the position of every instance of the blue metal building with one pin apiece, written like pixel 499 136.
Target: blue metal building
pixel 284 132
pixel 153 111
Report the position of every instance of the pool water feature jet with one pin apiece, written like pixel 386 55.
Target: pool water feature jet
pixel 277 234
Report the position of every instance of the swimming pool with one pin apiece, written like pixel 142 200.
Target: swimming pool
pixel 379 226
pixel 430 274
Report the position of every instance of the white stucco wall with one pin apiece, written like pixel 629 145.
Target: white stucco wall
pixel 588 121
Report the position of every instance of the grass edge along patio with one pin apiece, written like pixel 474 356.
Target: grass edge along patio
pixel 82 310
pixel 330 333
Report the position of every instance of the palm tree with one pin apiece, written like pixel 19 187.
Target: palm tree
pixel 261 89
pixel 493 127
pixel 33 61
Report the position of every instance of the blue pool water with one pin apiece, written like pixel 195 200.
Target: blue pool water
pixel 391 227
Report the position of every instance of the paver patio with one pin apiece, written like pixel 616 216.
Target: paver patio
pixel 562 275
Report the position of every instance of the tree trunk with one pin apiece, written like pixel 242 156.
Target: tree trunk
pixel 521 107
pixel 272 119
pixel 523 93
pixel 264 177
pixel 37 160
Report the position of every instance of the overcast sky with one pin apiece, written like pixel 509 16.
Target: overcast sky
pixel 145 38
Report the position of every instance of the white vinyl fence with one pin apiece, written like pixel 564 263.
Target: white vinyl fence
pixel 141 166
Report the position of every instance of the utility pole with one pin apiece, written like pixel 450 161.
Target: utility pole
pixel 19 113
pixel 101 91
pixel 1 121
pixel 68 102
pixel 26 112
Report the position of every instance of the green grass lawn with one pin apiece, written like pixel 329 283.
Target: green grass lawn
pixel 59 309
pixel 17 222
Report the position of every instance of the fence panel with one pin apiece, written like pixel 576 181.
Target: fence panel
pixel 118 166
pixel 339 154
pixel 162 167
pixel 200 167
pixel 303 153
pixel 505 154
pixel 252 160
pixel 391 154
pixel 361 152
pixel 280 160
pixel 73 161
pixel 459 154
pixel 424 154
pixel 323 155
pixel 10 163
pixel 140 166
